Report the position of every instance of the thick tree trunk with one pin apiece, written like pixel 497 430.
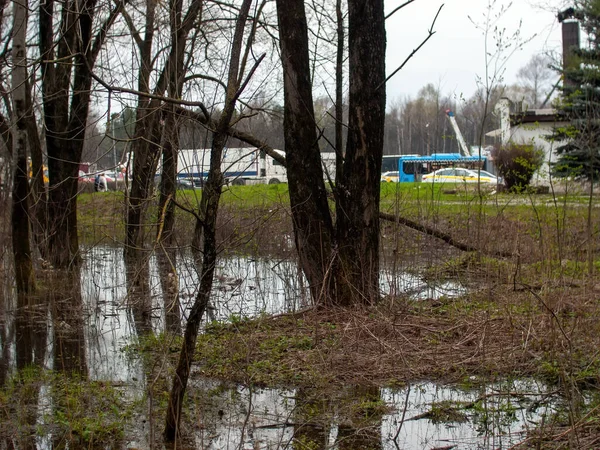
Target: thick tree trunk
pixel 313 227
pixel 359 186
pixel 66 91
pixel 63 242
pixel 24 274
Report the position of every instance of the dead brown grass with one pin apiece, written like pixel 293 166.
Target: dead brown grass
pixel 491 332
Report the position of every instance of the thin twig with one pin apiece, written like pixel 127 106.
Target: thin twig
pixel 431 33
pixel 403 416
pixel 398 9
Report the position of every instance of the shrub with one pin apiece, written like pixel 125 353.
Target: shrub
pixel 517 163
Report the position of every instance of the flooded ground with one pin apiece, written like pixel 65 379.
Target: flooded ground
pixel 273 418
pixel 113 305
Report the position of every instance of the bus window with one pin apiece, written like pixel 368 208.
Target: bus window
pixel 413 168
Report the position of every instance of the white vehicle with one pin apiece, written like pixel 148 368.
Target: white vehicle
pixel 328 159
pixel 460 175
pixel 390 177
pixel 239 165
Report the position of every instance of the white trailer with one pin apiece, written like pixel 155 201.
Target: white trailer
pixel 239 166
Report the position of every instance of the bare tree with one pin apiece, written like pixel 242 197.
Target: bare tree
pixel 342 265
pixel 536 77
pixel 205 233
pixel 68 51
pixel 152 113
pixel 24 274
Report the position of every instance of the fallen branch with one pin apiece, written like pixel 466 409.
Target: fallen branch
pixel 438 234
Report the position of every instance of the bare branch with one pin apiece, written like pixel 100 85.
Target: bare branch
pixel 111 88
pixel 431 33
pixel 245 83
pixel 398 8
pixel 242 136
pixel 436 233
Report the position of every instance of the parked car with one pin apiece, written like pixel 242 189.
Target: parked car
pixel 183 183
pixel 460 175
pixel 390 177
pixel 86 177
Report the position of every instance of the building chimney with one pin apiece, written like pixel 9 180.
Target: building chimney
pixel 570 40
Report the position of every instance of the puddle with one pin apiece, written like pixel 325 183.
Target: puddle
pixel 243 286
pixel 240 418
pixel 227 418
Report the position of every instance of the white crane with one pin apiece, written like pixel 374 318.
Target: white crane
pixel 459 136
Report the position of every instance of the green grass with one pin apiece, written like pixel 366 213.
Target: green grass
pixel 84 413
pixel 102 215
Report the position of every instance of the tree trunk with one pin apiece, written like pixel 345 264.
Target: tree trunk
pixel 313 227
pixel 145 160
pixel 339 92
pixel 66 90
pixel 168 179
pixel 209 206
pixel 38 187
pixel 168 191
pixel 210 200
pixel 24 274
pixel 359 186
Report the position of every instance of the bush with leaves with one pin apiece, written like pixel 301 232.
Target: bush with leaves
pixel 517 163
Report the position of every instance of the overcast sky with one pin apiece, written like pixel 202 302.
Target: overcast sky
pixel 455 56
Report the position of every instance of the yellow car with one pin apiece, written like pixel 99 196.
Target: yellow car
pixel 460 175
pixel 390 177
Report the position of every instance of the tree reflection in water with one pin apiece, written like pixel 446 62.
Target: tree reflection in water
pixel 66 307
pixel 361 428
pixel 139 295
pixel 310 430
pixel 169 283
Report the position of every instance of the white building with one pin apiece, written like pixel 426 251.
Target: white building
pixel 530 127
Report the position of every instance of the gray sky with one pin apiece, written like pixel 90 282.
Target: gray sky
pixel 454 56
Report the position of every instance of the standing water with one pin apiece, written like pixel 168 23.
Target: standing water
pixel 120 305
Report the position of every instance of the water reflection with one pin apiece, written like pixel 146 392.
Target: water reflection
pixel 139 296
pixel 366 418
pixel 30 328
pixel 169 283
pixel 97 314
pixel 162 287
pixel 67 311
pixel 361 428
pixel 309 431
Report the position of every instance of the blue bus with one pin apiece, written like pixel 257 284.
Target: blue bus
pixel 412 167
